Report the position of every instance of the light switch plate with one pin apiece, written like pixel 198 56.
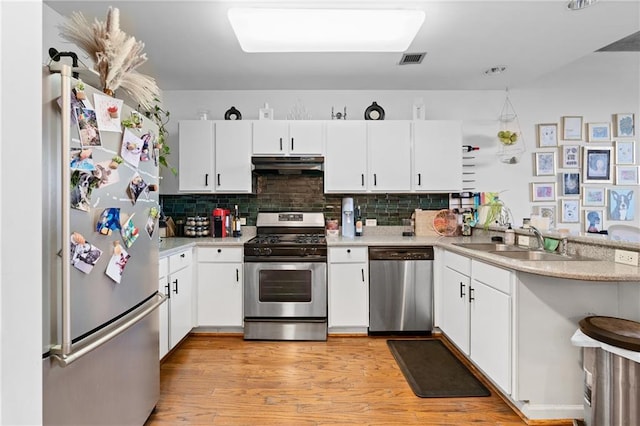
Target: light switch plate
pixel 371 222
pixel 523 240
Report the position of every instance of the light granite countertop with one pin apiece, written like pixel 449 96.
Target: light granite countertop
pixel 598 269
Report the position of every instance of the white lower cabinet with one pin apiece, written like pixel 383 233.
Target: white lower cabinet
pixel 477 314
pixel 348 271
pixel 176 314
pixel 220 282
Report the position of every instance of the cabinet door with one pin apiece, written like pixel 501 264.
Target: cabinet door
pixel 196 155
pixel 437 156
pixel 220 294
pixel 233 156
pixel 389 150
pixel 491 333
pixel 455 308
pixel 348 295
pixel 270 137
pixel 305 137
pixel 346 157
pixel 180 311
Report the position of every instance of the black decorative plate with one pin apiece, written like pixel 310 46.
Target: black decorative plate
pixel 374 112
pixel 232 114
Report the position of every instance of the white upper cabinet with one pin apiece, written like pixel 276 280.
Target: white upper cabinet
pixel 437 156
pixel 282 137
pixel 389 152
pixel 233 156
pixel 346 157
pixel 196 155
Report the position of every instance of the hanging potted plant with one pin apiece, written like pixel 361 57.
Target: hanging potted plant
pixel 162 150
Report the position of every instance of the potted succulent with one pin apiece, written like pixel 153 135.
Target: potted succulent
pixel 115 162
pixel 80 95
pixel 113 111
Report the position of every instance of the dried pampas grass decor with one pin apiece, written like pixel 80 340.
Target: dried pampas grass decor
pixel 116 55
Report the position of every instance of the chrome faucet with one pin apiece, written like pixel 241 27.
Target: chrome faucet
pixel 538 236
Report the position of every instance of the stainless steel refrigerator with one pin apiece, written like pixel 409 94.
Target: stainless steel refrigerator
pixel 100 336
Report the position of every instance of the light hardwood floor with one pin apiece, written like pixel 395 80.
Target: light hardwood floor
pixel 212 380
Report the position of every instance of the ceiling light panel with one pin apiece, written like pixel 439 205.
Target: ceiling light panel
pixel 325 30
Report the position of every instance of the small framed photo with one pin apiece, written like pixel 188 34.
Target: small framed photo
pixel 627 175
pixel 622 204
pixel 545 163
pixel 570 211
pixel 572 128
pixel 599 132
pixel 543 191
pixel 593 221
pixel 547 135
pixel 546 211
pixel 597 164
pixel 570 156
pixel 625 152
pixel 593 196
pixel 570 183
pixel 625 125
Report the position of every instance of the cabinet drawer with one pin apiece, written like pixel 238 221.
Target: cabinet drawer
pixel 179 261
pixel 347 254
pixel 220 254
pixel 492 276
pixel 458 263
pixel 163 267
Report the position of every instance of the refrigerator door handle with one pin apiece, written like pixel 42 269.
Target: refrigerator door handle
pixel 114 330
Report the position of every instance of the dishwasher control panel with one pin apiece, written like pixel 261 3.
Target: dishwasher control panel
pixel 401 253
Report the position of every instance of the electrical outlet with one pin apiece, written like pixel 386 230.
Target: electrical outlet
pixel 243 221
pixel 626 257
pixel 523 240
pixel 370 222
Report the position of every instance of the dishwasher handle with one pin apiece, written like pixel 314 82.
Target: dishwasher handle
pixel 401 253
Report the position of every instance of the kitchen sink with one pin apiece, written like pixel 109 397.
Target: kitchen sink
pixel 490 247
pixel 536 255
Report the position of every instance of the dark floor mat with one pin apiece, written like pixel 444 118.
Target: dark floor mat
pixel 433 371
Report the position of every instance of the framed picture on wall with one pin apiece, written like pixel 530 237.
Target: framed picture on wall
pixel 543 191
pixel 570 210
pixel 547 135
pixel 599 132
pixel 622 204
pixel 548 211
pixel 593 196
pixel 625 152
pixel 570 183
pixel 627 175
pixel 572 128
pixel 597 164
pixel 625 125
pixel 545 163
pixel 593 220
pixel 570 156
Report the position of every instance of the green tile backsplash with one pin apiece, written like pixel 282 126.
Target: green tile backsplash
pixel 302 193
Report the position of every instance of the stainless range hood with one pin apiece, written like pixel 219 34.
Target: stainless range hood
pixel 288 165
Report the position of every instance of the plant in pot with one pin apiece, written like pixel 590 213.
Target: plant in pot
pixel 160 117
pixel 113 111
pixel 80 95
pixel 115 162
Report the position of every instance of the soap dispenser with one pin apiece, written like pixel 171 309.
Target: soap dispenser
pixel 509 236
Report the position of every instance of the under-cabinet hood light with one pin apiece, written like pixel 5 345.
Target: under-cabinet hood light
pixel 325 30
pixel 580 4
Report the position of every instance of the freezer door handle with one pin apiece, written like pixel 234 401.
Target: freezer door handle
pixel 113 330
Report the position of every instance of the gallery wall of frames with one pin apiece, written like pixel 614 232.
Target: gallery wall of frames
pixel 589 172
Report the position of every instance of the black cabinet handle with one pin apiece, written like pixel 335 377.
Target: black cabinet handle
pixel 362 177
pixel 375 179
pixel 182 255
pixel 471 298
pixel 348 250
pixel 175 290
pixel 167 290
pixel 280 144
pixel 419 179
pixel 219 250
pixel 291 144
pixel 218 179
pixel 362 274
pixel 206 179
pixel 462 293
pixel 237 275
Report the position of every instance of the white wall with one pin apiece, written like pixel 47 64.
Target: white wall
pixel 20 216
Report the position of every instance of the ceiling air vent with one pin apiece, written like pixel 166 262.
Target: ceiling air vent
pixel 412 58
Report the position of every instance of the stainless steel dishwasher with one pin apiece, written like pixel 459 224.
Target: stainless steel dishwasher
pixel 400 289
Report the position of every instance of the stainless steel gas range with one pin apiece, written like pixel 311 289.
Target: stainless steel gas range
pixel 285 285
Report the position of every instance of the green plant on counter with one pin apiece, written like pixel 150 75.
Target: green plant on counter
pixel 160 117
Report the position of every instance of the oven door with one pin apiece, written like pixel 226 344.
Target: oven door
pixel 285 290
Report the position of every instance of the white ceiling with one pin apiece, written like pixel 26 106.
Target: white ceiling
pixel 191 45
